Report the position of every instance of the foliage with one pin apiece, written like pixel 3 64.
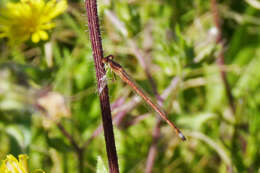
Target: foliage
pixel 177 39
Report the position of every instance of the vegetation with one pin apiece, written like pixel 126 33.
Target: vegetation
pixel 49 104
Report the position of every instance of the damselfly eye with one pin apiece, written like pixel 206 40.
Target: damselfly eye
pixel 110 57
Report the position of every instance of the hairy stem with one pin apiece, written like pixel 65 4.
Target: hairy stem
pixel 94 31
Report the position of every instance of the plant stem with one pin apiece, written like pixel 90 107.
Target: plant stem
pixel 81 160
pixel 95 36
pixel 153 148
pixel 221 63
pixel 68 136
pixel 220 59
pixel 79 151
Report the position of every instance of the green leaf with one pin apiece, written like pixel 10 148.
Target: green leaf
pixel 58 144
pixel 101 168
pixel 196 121
pixel 17 134
pixel 38 171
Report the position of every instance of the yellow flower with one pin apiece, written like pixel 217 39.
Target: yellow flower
pixel 29 19
pixel 12 165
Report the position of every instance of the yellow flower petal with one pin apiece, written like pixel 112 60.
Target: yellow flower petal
pixel 12 165
pixel 60 7
pixel 48 26
pixel 35 37
pixel 43 35
pixel 23 162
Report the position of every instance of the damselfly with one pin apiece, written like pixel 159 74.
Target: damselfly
pixel 117 69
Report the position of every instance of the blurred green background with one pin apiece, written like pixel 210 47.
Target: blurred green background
pixel 177 42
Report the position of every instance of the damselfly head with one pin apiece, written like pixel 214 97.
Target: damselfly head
pixel 183 138
pixel 107 58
